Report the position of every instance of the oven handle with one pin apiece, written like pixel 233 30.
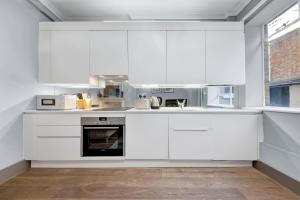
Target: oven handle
pixel 101 128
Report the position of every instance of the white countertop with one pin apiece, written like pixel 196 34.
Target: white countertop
pixel 164 110
pixel 75 111
pixel 250 110
pixel 277 109
pixel 195 110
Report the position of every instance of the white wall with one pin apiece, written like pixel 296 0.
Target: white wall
pixel 254 66
pixel 18 74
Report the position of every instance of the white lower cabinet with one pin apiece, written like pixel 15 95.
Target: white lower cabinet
pixel 213 137
pixel 190 137
pixel 58 142
pixel 58 148
pixel 51 137
pixel 149 136
pixel 235 137
pixel 146 136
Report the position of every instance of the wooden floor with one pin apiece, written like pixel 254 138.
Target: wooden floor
pixel 144 183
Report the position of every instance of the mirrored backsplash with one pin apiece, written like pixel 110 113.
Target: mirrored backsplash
pixel 211 96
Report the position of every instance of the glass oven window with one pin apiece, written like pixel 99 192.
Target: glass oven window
pixel 103 141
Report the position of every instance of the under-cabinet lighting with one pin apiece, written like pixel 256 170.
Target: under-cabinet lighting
pixel 168 85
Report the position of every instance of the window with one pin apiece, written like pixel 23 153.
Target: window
pixel 282 59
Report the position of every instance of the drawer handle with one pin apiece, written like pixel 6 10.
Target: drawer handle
pixel 57 136
pixel 191 129
pixel 101 128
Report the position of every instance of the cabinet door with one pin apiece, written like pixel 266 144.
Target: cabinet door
pixel 235 137
pixel 109 53
pixel 147 57
pixel 146 136
pixel 70 57
pixel 225 57
pixel 190 137
pixel 186 57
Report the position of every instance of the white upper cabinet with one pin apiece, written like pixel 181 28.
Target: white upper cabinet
pixel 147 57
pixel 70 57
pixel 225 57
pixel 109 53
pixel 185 57
pixel 210 53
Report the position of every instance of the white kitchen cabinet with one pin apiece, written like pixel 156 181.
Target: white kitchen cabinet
pixel 186 57
pixel 147 57
pixel 213 137
pixel 51 137
pixel 235 137
pixel 59 131
pixel 225 57
pixel 70 57
pixel 29 137
pixel 146 136
pixel 58 148
pixel 190 137
pixel 58 120
pixel 109 53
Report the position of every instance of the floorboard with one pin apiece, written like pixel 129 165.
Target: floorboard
pixel 144 183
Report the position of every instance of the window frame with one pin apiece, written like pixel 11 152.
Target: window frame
pixel 264 39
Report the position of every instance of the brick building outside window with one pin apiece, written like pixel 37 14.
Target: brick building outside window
pixel 282 59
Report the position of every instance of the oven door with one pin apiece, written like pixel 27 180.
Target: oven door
pixel 104 140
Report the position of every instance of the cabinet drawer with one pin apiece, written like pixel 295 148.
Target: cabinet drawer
pixel 190 122
pixel 190 137
pixel 58 120
pixel 58 148
pixel 190 144
pixel 59 131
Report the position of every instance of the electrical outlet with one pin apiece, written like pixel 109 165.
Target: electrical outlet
pixel 142 96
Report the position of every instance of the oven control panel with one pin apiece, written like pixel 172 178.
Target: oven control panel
pixel 103 121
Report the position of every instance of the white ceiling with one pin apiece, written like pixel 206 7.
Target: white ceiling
pixel 88 10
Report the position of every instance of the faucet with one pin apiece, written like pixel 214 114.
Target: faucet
pixel 181 104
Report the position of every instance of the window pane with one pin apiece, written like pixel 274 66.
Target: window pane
pixel 284 20
pixel 282 60
pixel 280 96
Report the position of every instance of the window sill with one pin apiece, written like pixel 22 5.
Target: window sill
pixel 277 109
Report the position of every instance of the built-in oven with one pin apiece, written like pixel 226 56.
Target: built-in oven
pixel 103 136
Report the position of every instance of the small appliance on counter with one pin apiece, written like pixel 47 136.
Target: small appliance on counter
pixel 56 102
pixel 155 102
pixel 142 103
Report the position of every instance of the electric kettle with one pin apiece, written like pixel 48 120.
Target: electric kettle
pixel 155 102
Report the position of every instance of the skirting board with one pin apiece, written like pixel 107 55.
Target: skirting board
pixel 137 163
pixel 281 178
pixel 14 170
